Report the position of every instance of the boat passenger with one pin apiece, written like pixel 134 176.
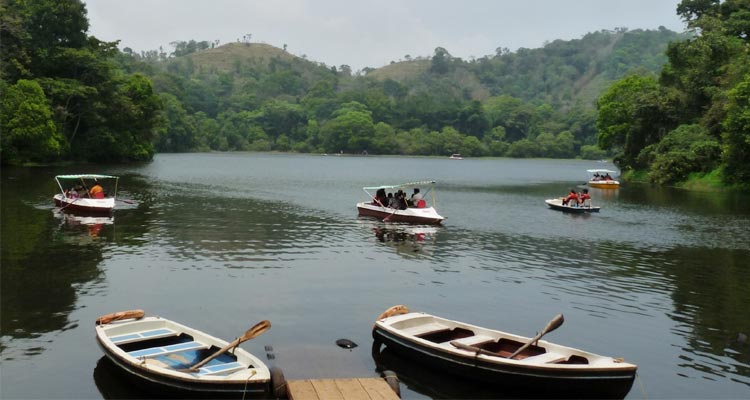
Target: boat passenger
pixel 380 198
pixel 571 196
pixel 72 193
pixel 96 191
pixel 401 197
pixel 415 197
pixel 583 197
pixel 607 177
pixel 392 203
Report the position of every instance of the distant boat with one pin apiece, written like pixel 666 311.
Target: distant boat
pixel 456 156
pixel 419 213
pixel 82 201
pixel 511 363
pixel 602 179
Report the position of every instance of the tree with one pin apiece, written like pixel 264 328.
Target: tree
pixel 737 134
pixel 29 133
pixel 350 130
pixel 634 113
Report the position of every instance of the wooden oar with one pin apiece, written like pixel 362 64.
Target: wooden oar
pixel 551 326
pixel 253 332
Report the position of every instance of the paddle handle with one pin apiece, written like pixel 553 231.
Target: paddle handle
pixel 195 367
pixel 551 326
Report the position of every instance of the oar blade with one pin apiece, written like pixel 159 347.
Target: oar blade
pixel 257 330
pixel 553 324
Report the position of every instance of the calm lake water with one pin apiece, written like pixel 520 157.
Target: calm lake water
pixel 660 276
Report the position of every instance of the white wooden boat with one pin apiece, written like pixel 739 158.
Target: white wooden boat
pixel 485 355
pixel 83 202
pixel 420 213
pixel 602 179
pixel 159 353
pixel 572 207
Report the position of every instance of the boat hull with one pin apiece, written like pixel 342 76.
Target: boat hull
pixel 85 206
pixel 511 378
pixel 427 216
pixel 166 381
pixel 604 184
pixel 556 204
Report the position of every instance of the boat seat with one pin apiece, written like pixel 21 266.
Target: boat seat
pixel 221 369
pixel 138 336
pixel 546 358
pixel 423 329
pixel 173 348
pixel 475 340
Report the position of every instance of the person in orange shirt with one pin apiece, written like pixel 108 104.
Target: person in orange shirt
pixel 572 196
pixel 96 191
pixel 583 197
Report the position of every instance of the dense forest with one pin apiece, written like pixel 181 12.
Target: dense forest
pixel 692 120
pixel 669 106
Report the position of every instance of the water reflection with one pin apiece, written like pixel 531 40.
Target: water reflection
pixel 663 273
pixel 113 383
pixel 48 258
pixel 89 226
pixel 433 383
pixel 406 240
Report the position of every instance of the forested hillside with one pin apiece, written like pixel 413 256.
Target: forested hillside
pixel 692 122
pixel 70 96
pixel 529 103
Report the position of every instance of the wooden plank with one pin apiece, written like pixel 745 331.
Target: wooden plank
pixel 352 389
pixel 340 389
pixel 301 390
pixel 378 389
pixel 326 389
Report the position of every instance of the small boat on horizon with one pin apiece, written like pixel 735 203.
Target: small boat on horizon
pixel 456 156
pixel 79 196
pixel 418 213
pixel 602 179
pixel 527 367
pixel 166 357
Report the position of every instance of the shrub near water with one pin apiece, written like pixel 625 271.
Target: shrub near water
pixel 683 151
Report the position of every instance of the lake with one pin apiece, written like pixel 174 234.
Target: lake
pixel 660 276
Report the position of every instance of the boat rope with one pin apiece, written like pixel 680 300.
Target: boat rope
pixel 640 384
pixel 244 391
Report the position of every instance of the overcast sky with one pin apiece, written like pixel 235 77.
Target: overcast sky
pixel 371 33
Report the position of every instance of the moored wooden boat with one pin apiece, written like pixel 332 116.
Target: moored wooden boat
pixel 165 356
pixel 543 369
pixel 556 204
pixel 71 200
pixel 420 213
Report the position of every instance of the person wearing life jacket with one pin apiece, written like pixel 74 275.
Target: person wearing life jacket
pixel 571 196
pixel 583 197
pixel 96 191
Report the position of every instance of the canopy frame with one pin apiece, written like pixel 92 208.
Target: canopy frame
pixel 83 177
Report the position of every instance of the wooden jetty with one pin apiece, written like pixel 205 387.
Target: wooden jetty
pixel 340 389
